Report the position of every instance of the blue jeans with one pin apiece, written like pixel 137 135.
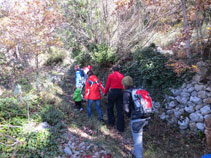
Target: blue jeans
pixel 136 127
pixel 97 105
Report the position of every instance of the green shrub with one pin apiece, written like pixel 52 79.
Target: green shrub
pixel 148 71
pixel 55 60
pixel 56 57
pixel 83 58
pixel 19 140
pixel 52 115
pixel 103 55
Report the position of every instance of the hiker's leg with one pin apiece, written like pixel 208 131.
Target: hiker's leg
pixel 137 133
pixel 119 109
pixel 110 108
pixel 89 107
pixel 77 103
pixel 97 104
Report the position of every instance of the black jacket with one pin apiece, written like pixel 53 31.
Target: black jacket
pixel 128 105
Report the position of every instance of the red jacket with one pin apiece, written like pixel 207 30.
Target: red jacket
pixel 92 86
pixel 114 81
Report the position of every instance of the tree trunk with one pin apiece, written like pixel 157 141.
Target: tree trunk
pixel 187 47
pixel 197 26
pixel 37 73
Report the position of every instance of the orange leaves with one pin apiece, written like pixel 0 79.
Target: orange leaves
pixel 179 67
pixel 123 4
pixel 29 23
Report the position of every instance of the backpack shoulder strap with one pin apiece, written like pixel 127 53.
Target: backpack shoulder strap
pixel 91 82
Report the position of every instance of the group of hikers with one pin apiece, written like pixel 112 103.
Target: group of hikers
pixel 120 95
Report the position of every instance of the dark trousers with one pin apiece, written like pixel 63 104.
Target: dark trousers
pixel 115 97
pixel 78 104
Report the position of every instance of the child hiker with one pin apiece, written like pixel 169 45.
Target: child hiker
pixel 92 94
pixel 77 98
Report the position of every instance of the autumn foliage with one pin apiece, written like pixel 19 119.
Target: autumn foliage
pixel 29 24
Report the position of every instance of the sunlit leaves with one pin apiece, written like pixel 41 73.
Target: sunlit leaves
pixel 29 23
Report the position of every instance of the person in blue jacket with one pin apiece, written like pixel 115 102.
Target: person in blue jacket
pixel 78 77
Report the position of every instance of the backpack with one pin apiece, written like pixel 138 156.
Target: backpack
pixel 142 103
pixel 94 85
pixel 82 72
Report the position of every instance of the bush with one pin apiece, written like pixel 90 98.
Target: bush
pixel 103 55
pixel 52 115
pixel 56 57
pixel 19 140
pixel 148 71
pixel 55 60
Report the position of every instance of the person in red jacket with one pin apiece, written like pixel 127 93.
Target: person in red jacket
pixel 115 96
pixel 92 93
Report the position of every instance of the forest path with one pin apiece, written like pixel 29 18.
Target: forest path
pixel 86 138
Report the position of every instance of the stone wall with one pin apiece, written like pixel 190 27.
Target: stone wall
pixel 190 104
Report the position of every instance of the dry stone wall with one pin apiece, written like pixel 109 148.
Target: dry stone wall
pixel 189 105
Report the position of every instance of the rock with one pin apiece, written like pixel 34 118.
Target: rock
pixel 189 109
pixel 178 112
pixel 200 126
pixel 183 86
pixel 189 86
pixel 169 112
pixel 206 116
pixel 183 124
pixel 185 94
pixel 198 107
pixel 194 94
pixel 208 89
pixel 190 90
pixel 182 100
pixel 196 117
pixel 42 126
pixel 17 90
pixel 202 94
pixel 177 92
pixel 205 110
pixel 171 105
pixel 163 116
pixel 198 87
pixel 196 78
pixel 67 151
pixel 195 100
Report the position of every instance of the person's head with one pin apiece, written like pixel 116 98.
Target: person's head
pixel 115 68
pixel 77 67
pixel 127 82
pixel 89 73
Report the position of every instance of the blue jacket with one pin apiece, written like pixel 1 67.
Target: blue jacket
pixel 78 78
